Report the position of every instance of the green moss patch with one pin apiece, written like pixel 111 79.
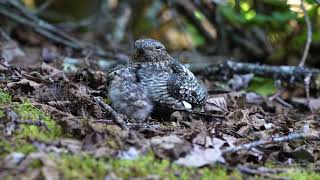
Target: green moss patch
pixel 5 97
pixel 296 174
pixel 81 167
pixel 87 167
pixel 27 111
pixel 22 146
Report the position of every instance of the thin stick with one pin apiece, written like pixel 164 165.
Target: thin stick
pixel 293 136
pixel 4 35
pixel 42 24
pixel 119 120
pixel 309 35
pixel 18 13
pixel 41 31
pixel 269 174
pixel 32 122
pixel 43 6
pixel 283 73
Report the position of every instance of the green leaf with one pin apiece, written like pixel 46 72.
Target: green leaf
pixel 261 18
pixel 262 86
pixel 283 16
pixel 197 38
pixel 232 16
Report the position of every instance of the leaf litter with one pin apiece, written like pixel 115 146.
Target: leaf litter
pixel 240 130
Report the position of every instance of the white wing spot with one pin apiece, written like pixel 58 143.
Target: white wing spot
pixel 186 105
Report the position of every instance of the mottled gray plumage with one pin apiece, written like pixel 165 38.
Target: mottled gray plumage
pixel 163 80
pixel 128 96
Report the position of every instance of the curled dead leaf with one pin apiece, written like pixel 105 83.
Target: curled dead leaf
pixel 218 104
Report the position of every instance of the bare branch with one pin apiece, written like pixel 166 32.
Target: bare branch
pixel 264 172
pixel 18 13
pixel 32 122
pixel 119 120
pixel 309 35
pixel 293 136
pixel 293 74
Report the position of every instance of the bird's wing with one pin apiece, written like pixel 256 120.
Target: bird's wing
pixel 155 78
pixel 183 85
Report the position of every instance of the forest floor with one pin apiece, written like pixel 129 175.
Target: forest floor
pixel 53 126
pixel 56 120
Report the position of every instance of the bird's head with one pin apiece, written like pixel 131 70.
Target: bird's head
pixel 150 50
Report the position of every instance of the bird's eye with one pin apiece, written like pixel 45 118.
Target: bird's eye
pixel 158 47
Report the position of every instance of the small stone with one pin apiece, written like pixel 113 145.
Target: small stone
pixel 13 159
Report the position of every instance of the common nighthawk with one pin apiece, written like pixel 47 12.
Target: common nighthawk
pixel 153 78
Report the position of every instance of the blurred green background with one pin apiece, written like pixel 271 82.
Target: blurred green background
pixel 264 31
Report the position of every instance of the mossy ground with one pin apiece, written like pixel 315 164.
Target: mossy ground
pixel 297 174
pixel 82 166
pixel 19 141
pixel 27 111
pixel 7 147
pixel 85 166
pixel 144 166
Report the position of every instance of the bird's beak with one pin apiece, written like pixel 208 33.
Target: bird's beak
pixel 138 54
pixel 139 50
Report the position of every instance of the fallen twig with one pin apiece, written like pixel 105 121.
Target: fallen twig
pixel 103 121
pixel 18 13
pixel 71 124
pixel 32 122
pixel 267 173
pixel 22 20
pixel 43 6
pixel 4 35
pixel 119 120
pixel 293 136
pixel 204 25
pixel 283 73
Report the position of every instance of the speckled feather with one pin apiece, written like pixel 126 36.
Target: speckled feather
pixel 184 85
pixel 166 81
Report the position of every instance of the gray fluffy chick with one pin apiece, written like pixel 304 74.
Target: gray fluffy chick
pixel 153 78
pixel 128 96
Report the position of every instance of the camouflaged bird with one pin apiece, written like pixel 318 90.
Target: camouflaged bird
pixel 153 78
